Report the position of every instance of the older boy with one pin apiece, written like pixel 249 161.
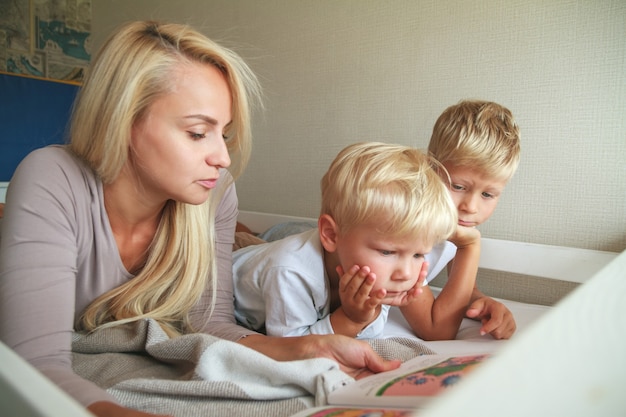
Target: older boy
pixel 383 209
pixel 478 142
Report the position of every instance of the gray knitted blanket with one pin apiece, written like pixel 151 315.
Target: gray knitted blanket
pixel 201 375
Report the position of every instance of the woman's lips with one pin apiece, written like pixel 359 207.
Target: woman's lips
pixel 208 183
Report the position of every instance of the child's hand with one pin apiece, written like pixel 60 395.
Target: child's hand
pixel 465 236
pixel 497 320
pixel 360 304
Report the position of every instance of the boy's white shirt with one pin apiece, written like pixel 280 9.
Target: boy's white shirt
pixel 278 290
pixel 438 258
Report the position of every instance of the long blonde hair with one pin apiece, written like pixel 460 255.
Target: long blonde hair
pixel 131 71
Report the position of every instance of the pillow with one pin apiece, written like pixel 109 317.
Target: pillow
pixel 281 230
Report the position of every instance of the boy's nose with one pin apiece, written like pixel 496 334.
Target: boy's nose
pixel 403 272
pixel 469 204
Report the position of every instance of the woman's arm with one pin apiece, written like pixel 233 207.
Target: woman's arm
pixel 109 409
pixel 355 357
pixel 38 265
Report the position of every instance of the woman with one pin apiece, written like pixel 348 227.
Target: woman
pixel 135 218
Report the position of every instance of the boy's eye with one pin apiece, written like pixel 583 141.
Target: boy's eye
pixel 385 252
pixel 457 187
pixel 418 255
pixel 488 195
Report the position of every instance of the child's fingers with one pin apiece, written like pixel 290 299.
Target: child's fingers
pixel 357 284
pixel 354 291
pixel 345 279
pixel 339 270
pixel 413 293
pixel 421 280
pixel 410 296
pixel 365 281
pixel 375 298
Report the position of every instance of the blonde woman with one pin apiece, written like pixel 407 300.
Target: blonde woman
pixel 135 218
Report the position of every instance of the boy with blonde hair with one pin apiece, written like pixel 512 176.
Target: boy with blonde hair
pixel 383 208
pixel 478 142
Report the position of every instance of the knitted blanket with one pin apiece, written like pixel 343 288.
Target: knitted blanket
pixel 201 375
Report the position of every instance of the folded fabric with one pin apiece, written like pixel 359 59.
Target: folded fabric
pixel 199 374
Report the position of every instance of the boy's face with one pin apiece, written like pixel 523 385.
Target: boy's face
pixel 396 262
pixel 475 195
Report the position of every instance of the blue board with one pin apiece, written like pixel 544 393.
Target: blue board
pixel 33 113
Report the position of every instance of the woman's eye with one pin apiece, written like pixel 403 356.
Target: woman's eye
pixel 229 135
pixel 385 252
pixel 196 136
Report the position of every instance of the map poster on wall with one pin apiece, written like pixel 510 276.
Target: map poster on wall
pixel 45 38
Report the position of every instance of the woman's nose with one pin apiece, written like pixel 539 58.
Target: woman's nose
pixel 218 155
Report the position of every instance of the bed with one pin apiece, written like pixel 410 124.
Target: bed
pixel 565 359
pixel 547 338
pixel 547 262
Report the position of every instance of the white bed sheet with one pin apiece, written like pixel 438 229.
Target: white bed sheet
pixel 468 339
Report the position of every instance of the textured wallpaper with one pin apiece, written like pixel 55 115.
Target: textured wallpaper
pixel 336 72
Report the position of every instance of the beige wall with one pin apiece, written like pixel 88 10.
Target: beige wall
pixel 339 71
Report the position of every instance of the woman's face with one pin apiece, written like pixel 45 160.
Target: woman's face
pixel 179 146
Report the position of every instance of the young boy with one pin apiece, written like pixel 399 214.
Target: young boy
pixel 383 209
pixel 478 142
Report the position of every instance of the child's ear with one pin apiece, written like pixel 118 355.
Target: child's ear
pixel 328 232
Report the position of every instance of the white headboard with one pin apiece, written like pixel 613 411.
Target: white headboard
pixel 3 191
pixel 545 261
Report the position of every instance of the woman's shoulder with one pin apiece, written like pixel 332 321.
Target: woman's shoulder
pixel 46 163
pixel 51 155
pixel 54 171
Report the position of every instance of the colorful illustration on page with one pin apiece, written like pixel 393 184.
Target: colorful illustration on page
pixel 360 412
pixel 431 380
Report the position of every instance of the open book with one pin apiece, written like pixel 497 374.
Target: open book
pixel 410 386
pixel 343 411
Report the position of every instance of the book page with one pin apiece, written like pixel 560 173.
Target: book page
pixel 415 382
pixel 342 411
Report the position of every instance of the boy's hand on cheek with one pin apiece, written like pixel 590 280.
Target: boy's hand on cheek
pixel 359 303
pixel 465 236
